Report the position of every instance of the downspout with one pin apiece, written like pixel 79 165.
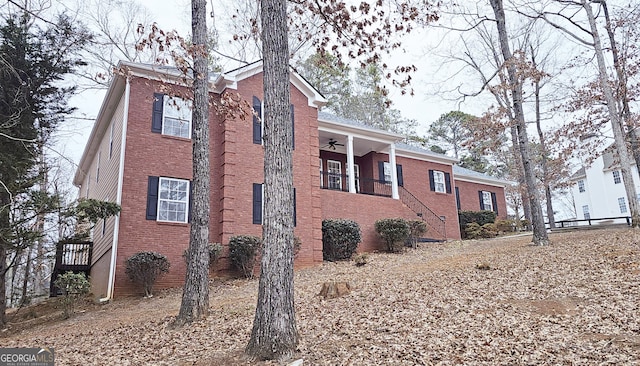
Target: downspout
pixel 116 225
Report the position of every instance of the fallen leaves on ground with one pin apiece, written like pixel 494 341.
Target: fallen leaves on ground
pixel 491 302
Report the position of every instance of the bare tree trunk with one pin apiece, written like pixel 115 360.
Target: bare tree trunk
pixel 195 294
pixel 616 123
pixel 526 205
pixel 4 245
pixel 543 148
pixel 24 296
pixel 632 134
pixel 274 334
pixel 537 220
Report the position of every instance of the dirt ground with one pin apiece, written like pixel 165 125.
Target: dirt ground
pixel 488 302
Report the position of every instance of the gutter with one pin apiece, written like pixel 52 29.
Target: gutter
pixel 116 225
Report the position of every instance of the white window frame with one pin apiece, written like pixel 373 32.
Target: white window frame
pixel 585 212
pixel 184 201
pixel 177 109
pixel 622 204
pixel 98 166
pixel 617 179
pixel 581 187
pixel 321 174
pixel 387 172
pixel 334 179
pixel 487 201
pixel 111 140
pixel 439 182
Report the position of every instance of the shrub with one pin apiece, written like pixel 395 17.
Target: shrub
pixel 417 228
pixel 73 287
pixel 215 249
pixel 475 231
pixel 504 226
pixel 340 239
pixel 244 251
pixel 394 232
pixel 360 259
pixel 478 217
pixel 144 268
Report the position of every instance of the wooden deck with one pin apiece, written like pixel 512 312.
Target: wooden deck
pixel 71 256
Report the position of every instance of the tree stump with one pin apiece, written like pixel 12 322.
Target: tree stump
pixel 331 290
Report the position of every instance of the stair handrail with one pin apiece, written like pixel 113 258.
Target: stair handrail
pixel 423 211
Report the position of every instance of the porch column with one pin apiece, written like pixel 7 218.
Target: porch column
pixel 350 168
pixel 394 172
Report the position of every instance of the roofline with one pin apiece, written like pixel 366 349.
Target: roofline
pixel 408 153
pixel 482 180
pixel 114 92
pixel 325 124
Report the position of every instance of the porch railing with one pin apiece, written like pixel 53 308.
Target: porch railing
pixel 340 182
pixel 433 221
pixel 74 257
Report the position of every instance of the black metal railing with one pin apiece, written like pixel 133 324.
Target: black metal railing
pixel 433 221
pixel 74 257
pixel 340 182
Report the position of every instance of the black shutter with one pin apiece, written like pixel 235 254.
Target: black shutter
pixel 156 119
pixel 257 123
pixel 257 203
pixel 458 198
pixel 432 182
pixel 152 198
pixel 447 182
pixel 381 171
pixel 494 202
pixel 293 129
pixel 399 171
pixel 295 220
pixel 481 200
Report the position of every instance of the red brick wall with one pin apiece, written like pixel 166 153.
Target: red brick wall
pixel 149 154
pixel 236 163
pixel 470 201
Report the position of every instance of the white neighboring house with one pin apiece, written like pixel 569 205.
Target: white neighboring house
pixel 598 190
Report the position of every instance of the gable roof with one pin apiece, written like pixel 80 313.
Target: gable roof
pixel 581 173
pixel 469 175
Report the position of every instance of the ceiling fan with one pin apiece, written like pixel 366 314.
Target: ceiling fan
pixel 332 144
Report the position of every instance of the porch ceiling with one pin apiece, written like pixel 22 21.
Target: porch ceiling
pixel 361 145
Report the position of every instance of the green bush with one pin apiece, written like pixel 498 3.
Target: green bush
pixel 417 228
pixel 144 268
pixel 73 287
pixel 478 217
pixel 475 231
pixel 244 251
pixel 340 239
pixel 394 232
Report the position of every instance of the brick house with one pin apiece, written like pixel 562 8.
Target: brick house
pixel 139 156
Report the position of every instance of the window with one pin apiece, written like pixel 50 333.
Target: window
pixel 98 166
pixel 176 119
pixel 438 179
pixel 258 118
pixel 585 212
pixel 334 169
pixel 173 199
pixel 356 172
pixel 111 140
pixel 387 172
pixel 321 174
pixel 616 177
pixel 258 204
pixel 487 202
pixel 581 186
pixel 622 203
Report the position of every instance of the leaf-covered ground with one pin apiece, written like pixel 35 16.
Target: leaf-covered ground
pixel 576 301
